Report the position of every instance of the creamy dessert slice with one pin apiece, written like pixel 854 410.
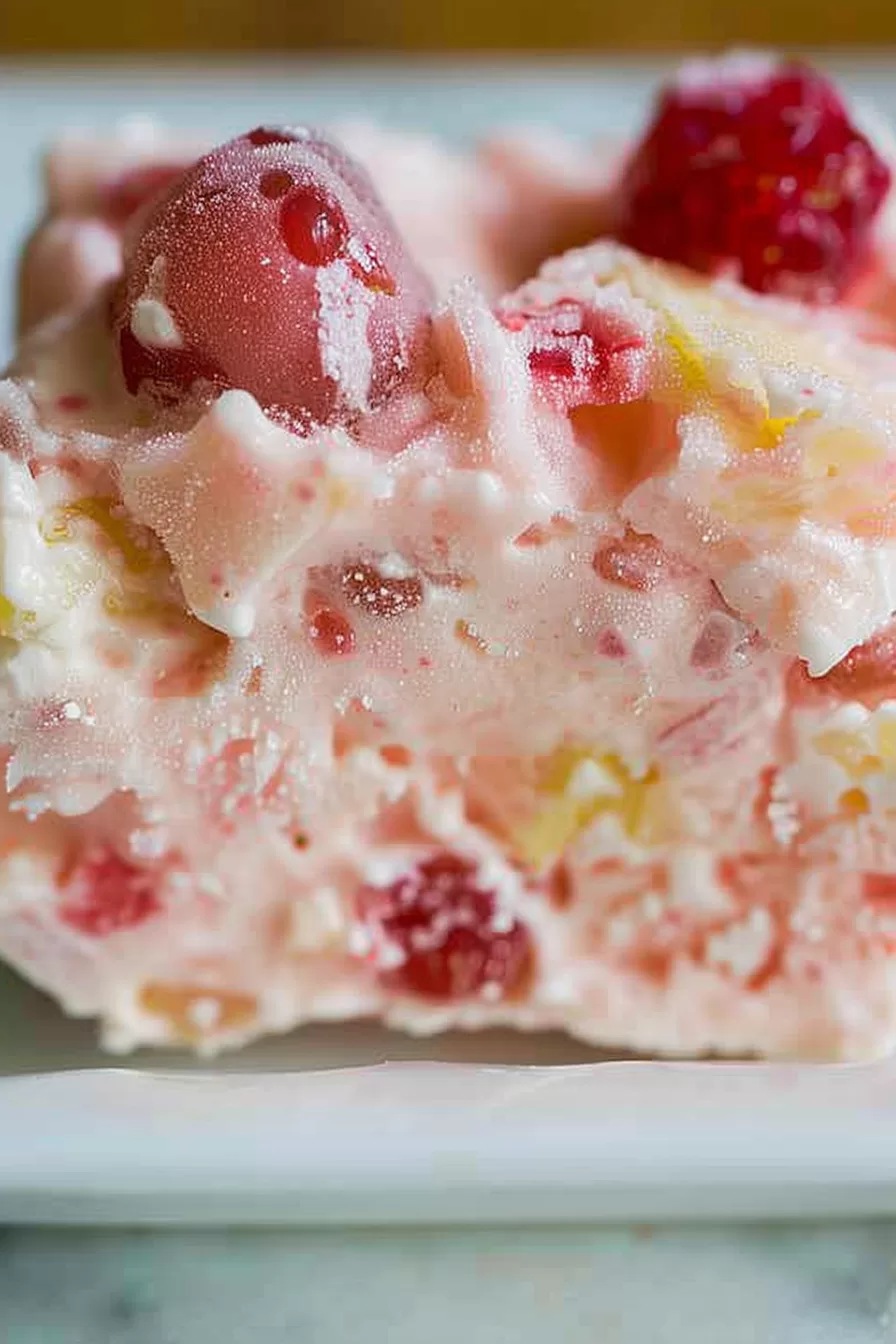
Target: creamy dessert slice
pixel 399 621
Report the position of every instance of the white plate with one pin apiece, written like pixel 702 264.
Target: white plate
pixel 317 1128
pixel 475 1128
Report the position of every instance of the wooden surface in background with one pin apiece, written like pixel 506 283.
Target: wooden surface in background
pixel 40 26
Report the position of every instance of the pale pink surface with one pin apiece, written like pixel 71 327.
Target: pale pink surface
pixel 540 610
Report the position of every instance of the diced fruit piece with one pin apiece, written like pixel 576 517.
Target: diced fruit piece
pixel 383 595
pixel 195 1012
pixel 630 442
pixel 272 266
pixel 736 721
pixel 722 644
pixel 575 787
pixel 242 780
pixel 880 889
pixel 637 561
pixel 330 632
pixel 753 167
pixel 610 644
pixel 440 935
pixel 196 668
pixel 105 894
pixel 867 673
pixel 581 355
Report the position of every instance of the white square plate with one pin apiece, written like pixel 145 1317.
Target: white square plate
pixel 318 1126
pixel 357 1124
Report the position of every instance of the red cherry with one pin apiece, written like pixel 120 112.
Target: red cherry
pixel 167 371
pixel 283 275
pixel 105 894
pixel 581 356
pixel 448 931
pixel 757 170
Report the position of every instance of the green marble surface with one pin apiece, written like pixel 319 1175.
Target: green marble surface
pixel 709 1285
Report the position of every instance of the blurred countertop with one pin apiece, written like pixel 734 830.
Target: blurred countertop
pixel 576 1285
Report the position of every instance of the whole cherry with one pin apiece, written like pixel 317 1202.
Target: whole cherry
pixel 272 266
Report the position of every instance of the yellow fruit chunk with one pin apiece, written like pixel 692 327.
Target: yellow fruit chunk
pixel 8 614
pixel 765 500
pixel 108 516
pixel 886 739
pixel 850 751
pixel 193 1012
pixel 854 802
pixel 773 429
pixel 469 635
pixel 554 827
pixel 139 606
pixel 340 495
pixel 831 451
pixel 583 785
pixel 15 623
pixel 687 361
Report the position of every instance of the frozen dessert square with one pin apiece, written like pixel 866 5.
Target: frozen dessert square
pixel 458 587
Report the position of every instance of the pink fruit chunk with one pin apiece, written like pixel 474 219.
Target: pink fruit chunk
pixel 756 169
pixel 880 889
pixel 736 721
pixel 867 673
pixel 610 644
pixel 105 894
pixel 232 787
pixel 448 934
pixel 638 562
pixel 580 355
pixel 331 633
pixel 723 644
pixel 382 595
pixel 275 269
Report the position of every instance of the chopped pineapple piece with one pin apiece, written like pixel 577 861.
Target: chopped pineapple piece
pixel 582 785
